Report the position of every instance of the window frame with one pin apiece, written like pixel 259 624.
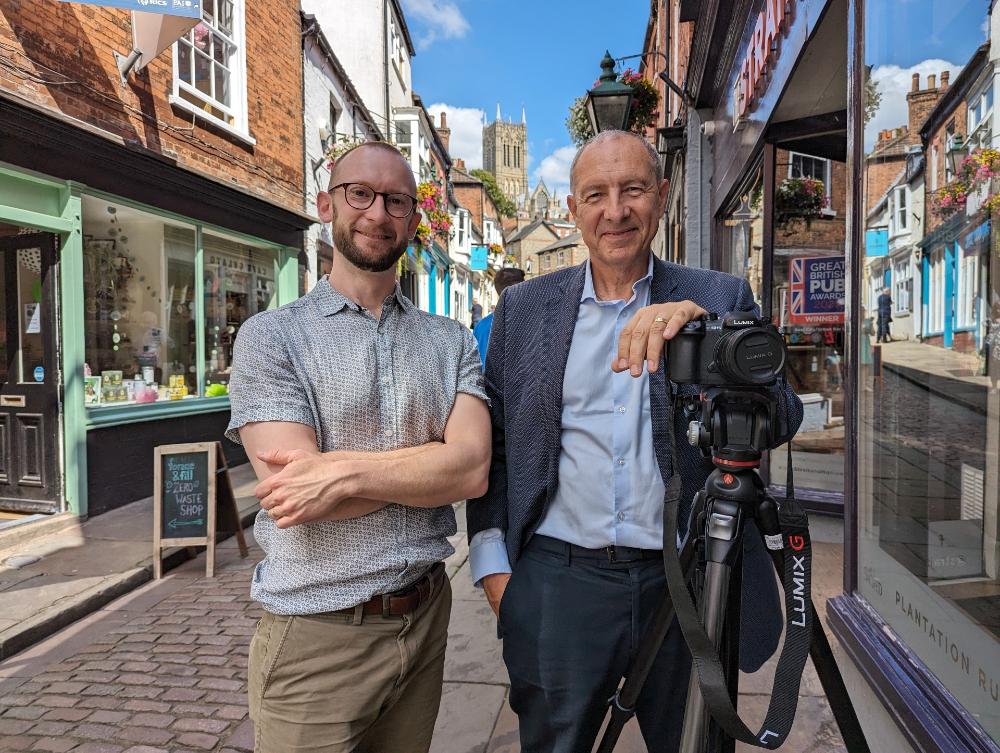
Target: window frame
pixel 827 177
pixel 238 109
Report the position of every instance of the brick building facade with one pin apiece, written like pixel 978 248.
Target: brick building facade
pixel 171 205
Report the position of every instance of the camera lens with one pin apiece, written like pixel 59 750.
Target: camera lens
pixel 755 355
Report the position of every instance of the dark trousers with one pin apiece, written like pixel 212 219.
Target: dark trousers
pixel 883 329
pixel 570 626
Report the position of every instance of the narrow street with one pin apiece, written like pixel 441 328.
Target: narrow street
pixel 163 670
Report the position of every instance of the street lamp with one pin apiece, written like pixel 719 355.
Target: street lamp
pixel 609 103
pixel 956 150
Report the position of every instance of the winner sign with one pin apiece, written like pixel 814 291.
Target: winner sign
pixel 817 290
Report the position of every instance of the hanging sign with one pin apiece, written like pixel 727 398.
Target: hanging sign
pixel 477 261
pixel 761 56
pixel 817 290
pixel 188 8
pixel 192 500
pixel 877 242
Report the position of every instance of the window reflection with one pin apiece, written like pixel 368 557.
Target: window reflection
pixel 929 423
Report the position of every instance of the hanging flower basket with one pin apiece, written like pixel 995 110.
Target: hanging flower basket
pixel 430 201
pixel 977 171
pixel 799 199
pixel 645 101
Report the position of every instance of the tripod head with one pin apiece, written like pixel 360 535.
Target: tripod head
pixel 736 425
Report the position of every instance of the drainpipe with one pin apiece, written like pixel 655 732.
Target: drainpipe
pixel 385 65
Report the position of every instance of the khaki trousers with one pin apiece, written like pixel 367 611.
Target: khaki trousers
pixel 323 684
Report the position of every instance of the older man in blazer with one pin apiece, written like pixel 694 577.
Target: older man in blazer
pixel 567 541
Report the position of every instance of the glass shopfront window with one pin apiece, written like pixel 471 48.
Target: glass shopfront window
pixel 138 313
pixel 239 282
pixel 928 397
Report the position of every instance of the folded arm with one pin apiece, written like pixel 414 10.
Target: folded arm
pixel 309 486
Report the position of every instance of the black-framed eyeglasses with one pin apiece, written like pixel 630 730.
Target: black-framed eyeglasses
pixel 360 196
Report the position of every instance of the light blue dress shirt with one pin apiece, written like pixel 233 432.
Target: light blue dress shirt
pixel 610 490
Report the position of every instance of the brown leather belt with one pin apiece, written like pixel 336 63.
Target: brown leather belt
pixel 399 603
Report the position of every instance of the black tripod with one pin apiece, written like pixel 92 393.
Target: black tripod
pixel 734 428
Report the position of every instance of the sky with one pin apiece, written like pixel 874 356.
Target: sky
pixel 539 54
pixel 917 36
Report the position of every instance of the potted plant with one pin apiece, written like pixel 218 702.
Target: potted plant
pixel 799 198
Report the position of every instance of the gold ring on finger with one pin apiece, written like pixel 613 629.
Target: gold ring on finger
pixel 659 319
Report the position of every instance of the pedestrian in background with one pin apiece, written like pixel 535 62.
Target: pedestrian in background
pixel 567 541
pixel 477 312
pixel 884 316
pixel 364 418
pixel 504 279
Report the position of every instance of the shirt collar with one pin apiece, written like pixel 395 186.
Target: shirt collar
pixel 588 282
pixel 331 301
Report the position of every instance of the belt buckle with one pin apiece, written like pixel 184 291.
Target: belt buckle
pixel 612 554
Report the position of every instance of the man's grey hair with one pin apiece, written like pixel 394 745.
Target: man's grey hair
pixel 654 157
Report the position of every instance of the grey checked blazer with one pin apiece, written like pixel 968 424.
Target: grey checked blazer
pixel 525 366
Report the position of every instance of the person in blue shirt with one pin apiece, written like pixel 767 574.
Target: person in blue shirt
pixel 504 279
pixel 567 541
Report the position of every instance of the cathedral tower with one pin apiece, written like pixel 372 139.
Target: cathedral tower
pixel 505 155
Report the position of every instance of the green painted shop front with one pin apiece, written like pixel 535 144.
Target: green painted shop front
pixel 119 321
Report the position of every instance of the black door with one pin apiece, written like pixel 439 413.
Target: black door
pixel 29 375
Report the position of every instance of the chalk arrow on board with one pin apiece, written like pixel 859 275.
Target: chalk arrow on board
pixel 175 524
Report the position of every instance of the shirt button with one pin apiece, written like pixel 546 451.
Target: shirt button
pixel 386 380
pixel 621 461
pixel 621 408
pixel 387 432
pixel 621 517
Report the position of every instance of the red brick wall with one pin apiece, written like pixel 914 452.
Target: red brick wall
pixel 470 196
pixel 826 232
pixel 74 44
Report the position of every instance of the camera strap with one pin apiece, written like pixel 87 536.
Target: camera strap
pixel 796 582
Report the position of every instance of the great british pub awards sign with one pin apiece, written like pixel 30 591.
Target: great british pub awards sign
pixel 753 78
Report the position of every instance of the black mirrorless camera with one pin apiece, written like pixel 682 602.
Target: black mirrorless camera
pixel 732 349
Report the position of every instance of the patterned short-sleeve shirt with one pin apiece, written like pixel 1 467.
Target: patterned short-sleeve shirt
pixel 363 385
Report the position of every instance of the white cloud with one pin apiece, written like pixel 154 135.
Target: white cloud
pixel 466 124
pixel 554 170
pixel 893 84
pixel 438 18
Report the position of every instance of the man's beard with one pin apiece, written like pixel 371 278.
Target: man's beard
pixel 343 241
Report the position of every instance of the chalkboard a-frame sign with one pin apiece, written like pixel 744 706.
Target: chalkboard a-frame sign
pixel 192 499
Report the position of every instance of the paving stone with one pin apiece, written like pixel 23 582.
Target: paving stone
pixel 19 742
pixel 468 713
pixel 103 716
pixel 98 748
pixel 474 652
pixel 67 715
pixel 242 739
pixel 234 713
pixel 192 724
pixel 212 683
pixel 95 731
pixel 182 694
pixel 51 729
pixel 198 740
pixel 55 701
pixel 54 745
pixel 145 735
pixel 159 721
pixel 14 726
pixel 98 702
pixel 135 678
pixel 145 749
pixel 67 688
pixel 140 704
pixel 29 713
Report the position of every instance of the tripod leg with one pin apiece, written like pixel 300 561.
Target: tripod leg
pixel 833 685
pixel 714 597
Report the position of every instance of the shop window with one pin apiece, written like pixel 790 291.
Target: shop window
pixel 139 280
pixel 805 166
pixel 902 286
pixel 928 423
pixel 209 65
pixel 239 282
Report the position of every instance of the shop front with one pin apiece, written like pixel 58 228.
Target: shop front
pixel 920 616
pixel 778 199
pixel 125 281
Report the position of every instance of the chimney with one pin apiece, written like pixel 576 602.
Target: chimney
pixel 458 162
pixel 932 81
pixel 916 82
pixel 945 77
pixel 444 131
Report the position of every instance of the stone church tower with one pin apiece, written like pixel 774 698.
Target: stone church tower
pixel 505 156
